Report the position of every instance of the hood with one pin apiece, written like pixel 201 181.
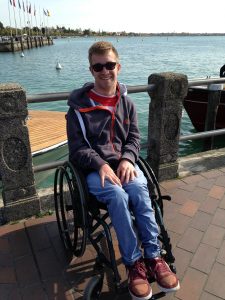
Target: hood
pixel 78 98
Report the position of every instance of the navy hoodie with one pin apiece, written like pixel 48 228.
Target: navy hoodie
pixel 97 135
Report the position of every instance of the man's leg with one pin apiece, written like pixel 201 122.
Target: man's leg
pixel 116 200
pixel 141 206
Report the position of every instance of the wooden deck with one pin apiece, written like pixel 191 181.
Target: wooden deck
pixel 47 130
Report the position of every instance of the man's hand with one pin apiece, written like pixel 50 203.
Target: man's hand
pixel 126 171
pixel 106 172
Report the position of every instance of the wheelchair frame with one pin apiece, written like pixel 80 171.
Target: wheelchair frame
pixel 79 216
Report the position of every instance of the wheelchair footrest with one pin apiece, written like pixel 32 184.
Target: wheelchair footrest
pixel 158 296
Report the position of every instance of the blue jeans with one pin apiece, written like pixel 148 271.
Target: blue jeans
pixel 120 200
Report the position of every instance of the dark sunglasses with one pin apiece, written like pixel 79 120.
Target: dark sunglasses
pixel 110 65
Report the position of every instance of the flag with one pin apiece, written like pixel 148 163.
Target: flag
pixel 14 3
pixel 30 9
pixel 23 7
pixel 10 2
pixel 48 13
pixel 19 4
pixel 34 10
pixel 44 12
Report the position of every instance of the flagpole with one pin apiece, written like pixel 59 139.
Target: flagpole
pixel 28 22
pixel 10 18
pixel 37 29
pixel 25 25
pixel 14 16
pixel 44 21
pixel 21 30
pixel 40 20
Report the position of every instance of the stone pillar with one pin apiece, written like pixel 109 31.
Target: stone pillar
pixel 19 192
pixel 165 113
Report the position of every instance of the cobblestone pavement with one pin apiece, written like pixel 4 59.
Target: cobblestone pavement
pixel 34 264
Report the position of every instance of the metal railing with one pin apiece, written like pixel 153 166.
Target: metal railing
pixel 51 97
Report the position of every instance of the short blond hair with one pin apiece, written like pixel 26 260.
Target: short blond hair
pixel 101 48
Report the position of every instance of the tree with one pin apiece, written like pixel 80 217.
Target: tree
pixel 1 25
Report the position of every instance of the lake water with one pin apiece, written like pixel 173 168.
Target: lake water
pixel 197 57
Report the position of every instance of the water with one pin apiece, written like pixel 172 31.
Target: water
pixel 197 57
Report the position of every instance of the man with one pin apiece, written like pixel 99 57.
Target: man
pixel 104 141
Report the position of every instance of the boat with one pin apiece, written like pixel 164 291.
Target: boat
pixel 195 104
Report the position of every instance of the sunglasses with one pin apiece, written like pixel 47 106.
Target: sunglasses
pixel 110 65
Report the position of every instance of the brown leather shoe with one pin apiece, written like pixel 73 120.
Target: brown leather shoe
pixel 138 284
pixel 165 278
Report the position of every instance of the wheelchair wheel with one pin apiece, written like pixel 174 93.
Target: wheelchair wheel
pixel 70 206
pixel 94 288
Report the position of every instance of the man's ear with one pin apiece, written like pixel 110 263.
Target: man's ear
pixel 118 67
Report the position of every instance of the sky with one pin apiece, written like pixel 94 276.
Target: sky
pixel 145 16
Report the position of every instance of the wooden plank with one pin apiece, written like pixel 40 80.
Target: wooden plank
pixel 46 129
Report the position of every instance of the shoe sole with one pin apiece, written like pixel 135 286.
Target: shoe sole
pixel 140 298
pixel 174 289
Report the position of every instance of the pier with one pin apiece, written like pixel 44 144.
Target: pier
pixel 20 43
pixel 47 130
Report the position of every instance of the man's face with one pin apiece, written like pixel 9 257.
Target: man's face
pixel 105 79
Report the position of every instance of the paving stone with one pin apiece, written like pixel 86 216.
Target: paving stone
pixel 201 220
pixel 57 288
pixel 19 238
pixel 188 187
pixel 4 245
pixel 207 296
pixel 222 203
pixel 172 184
pixel 217 192
pixel 207 183
pixel 10 292
pixel 199 194
pixel 215 284
pixel 221 254
pixel 171 209
pixel 34 292
pixel 193 179
pixel 214 236
pixel 220 181
pixel 180 196
pixel 212 173
pixel 209 205
pixel 7 275
pixel 179 223
pixel 189 208
pixel 191 285
pixel 48 263
pixel 10 228
pixel 26 271
pixel 219 218
pixel 182 261
pixel 204 258
pixel 38 237
pixel 190 239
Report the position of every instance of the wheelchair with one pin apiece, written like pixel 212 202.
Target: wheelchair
pixel 81 219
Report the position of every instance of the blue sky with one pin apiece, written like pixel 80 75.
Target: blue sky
pixel 130 16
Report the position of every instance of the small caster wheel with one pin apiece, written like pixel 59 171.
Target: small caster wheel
pixel 94 288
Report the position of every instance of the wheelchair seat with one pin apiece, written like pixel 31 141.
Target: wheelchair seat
pixel 81 218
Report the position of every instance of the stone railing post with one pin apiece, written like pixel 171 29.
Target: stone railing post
pixel 19 193
pixel 165 113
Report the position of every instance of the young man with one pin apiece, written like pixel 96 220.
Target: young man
pixel 103 139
